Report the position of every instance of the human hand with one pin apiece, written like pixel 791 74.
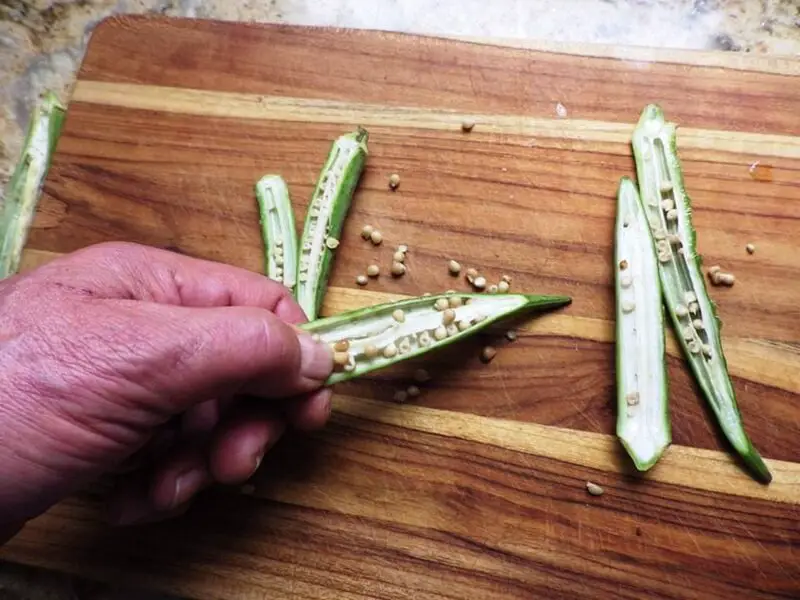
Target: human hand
pixel 121 352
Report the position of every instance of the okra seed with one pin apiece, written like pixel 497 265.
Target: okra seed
pixel 452 329
pixel 681 310
pixel 390 351
pixel 690 297
pixel 694 347
pixel 632 399
pixel 455 301
pixel 454 268
pixel 350 367
pixel 448 316
pixel 279 243
pixel 463 325
pixel 672 215
pixel 694 308
pixel 714 270
pixel 479 283
pixel 471 274
pixel 623 264
pixel 594 489
pixel 412 391
pixel 723 279
pixel 366 231
pixel 487 354
pixel 440 333
pixel 371 351
pixel 628 306
pixel 750 248
pixel 373 271
pixel 441 304
pixel 361 280
pixel 688 333
pixel 399 257
pixel 402 248
pixel 376 237
pixel 667 204
pixel 400 396
pixel 424 339
pixel 398 269
pixel 659 234
pixel 341 346
pixel 506 278
pixel 698 324
pixel 279 261
pixel 662 246
pixel 503 287
pixel 332 243
pixel 493 289
pixel 467 125
pixel 626 281
pixel 340 359
pixel 399 316
pixel 479 318
pixel 511 335
pixel 706 350
pixel 449 292
pixel 404 347
pixel 426 294
pixel 421 376
pixel 666 186
pixel 664 257
pixel 394 181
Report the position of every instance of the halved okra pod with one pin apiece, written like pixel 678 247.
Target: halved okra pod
pixel 278 230
pixel 325 218
pixel 372 338
pixel 643 424
pixel 668 209
pixel 25 186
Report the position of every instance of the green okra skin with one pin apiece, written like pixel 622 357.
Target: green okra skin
pixel 24 189
pixel 643 424
pixel 379 336
pixel 327 211
pixel 693 314
pixel 277 230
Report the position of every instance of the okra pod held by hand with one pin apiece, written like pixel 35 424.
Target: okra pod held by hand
pixel 24 189
pixel 668 209
pixel 375 337
pixel 643 425
pixel 327 211
pixel 278 230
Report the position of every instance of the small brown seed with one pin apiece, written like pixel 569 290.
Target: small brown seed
pixel 376 237
pixel 390 351
pixel 623 264
pixel 373 271
pixel 442 304
pixel 399 316
pixel 398 269
pixel 412 391
pixel 750 248
pixel 421 376
pixel 371 351
pixel 341 346
pixel 340 359
pixel 394 181
pixel 440 333
pixel 471 274
pixel 366 231
pixel 400 396
pixel 399 257
pixel 594 489
pixel 479 283
pixel 511 335
pixel 361 280
pixel 467 125
pixel 448 316
pixel 488 354
pixel 454 268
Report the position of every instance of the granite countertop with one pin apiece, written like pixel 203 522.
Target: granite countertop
pixel 42 43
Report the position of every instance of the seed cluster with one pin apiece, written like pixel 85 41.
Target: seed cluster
pixel 717 277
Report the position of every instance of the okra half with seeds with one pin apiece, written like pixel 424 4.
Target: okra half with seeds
pixel 327 211
pixel 372 338
pixel 278 230
pixel 668 208
pixel 643 425
pixel 24 189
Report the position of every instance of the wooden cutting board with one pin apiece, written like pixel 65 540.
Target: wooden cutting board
pixel 477 488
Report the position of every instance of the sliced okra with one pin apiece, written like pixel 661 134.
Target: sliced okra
pixel 379 336
pixel 327 211
pixel 278 230
pixel 25 187
pixel 643 425
pixel 662 187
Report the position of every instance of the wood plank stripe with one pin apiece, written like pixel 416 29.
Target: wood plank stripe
pixel 707 470
pixel 277 108
pixel 768 364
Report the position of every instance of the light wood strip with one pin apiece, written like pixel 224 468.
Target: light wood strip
pixel 754 360
pixel 277 108
pixel 695 468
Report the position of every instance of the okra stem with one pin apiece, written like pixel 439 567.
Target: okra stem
pixel 24 189
pixel 325 218
pixel 643 424
pixel 278 230
pixel 668 209
pixel 372 338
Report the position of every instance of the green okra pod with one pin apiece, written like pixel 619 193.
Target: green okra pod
pixel 693 314
pixel 278 230
pixel 643 425
pixel 327 211
pixel 24 189
pixel 372 338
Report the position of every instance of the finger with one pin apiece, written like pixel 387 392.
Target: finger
pixel 200 419
pixel 241 443
pixel 311 412
pixel 124 270
pixel 177 480
pixel 131 505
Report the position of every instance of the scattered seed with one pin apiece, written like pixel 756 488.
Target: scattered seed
pixel 361 280
pixel 421 376
pixel 463 325
pixel 561 110
pixel 472 274
pixel 394 181
pixel 332 243
pixel 750 248
pixel 488 354
pixel 626 281
pixel 467 125
pixel 402 248
pixel 366 231
pixel 399 257
pixel 503 287
pixel 442 304
pixel 681 310
pixel 594 489
pixel 506 278
pixel 724 279
pixel 714 270
pixel 493 289
pixel 511 335
pixel 341 346
pixel 623 264
pixel 440 333
pixel 448 316
pixel 412 391
pixel 371 351
pixel 398 269
pixel 373 271
pixel 665 186
pixel 628 306
pixel 632 399
pixel 340 359
pixel 390 351
pixel 454 268
pixel 479 283
pixel 376 237
pixel 667 204
pixel 399 316
pixel 456 301
pixel 400 396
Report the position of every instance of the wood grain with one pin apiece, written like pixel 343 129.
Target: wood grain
pixel 477 489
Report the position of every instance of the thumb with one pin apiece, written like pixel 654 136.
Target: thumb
pixel 208 352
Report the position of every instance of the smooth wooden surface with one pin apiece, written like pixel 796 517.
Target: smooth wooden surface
pixel 476 489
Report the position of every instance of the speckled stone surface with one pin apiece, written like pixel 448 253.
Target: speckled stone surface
pixel 42 43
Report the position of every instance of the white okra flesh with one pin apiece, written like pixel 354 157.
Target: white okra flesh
pixel 643 424
pixel 277 223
